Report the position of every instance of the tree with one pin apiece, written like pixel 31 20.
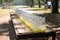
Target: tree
pixel 39 2
pixel 7 1
pixel 55 6
pixel 28 2
pixel 1 2
pixel 32 4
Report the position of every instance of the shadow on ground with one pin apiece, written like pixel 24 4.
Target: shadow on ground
pixel 7 30
pixel 53 19
pixel 4 29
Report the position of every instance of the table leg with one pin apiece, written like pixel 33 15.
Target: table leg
pixel 45 38
pixel 17 38
pixel 54 36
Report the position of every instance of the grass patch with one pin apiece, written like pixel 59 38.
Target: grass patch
pixel 59 10
pixel 42 9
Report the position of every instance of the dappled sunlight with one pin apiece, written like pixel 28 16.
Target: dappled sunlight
pixel 35 7
pixel 59 10
pixel 52 19
pixel 4 31
pixel 4 23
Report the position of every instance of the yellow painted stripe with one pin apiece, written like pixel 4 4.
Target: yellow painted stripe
pixel 29 25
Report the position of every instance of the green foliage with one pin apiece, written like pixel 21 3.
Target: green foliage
pixel 28 2
pixel 10 1
pixel 0 1
pixel 6 1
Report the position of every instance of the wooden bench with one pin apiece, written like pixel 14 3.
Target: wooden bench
pixel 23 32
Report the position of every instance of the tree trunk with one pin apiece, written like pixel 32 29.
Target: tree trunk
pixel 1 2
pixel 46 1
pixel 55 6
pixel 32 4
pixel 46 4
pixel 39 3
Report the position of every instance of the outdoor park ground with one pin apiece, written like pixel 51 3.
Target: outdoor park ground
pixel 6 32
pixel 4 24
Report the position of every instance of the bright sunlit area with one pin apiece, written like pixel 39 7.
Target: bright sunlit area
pixel 29 19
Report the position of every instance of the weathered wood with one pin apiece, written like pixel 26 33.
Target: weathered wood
pixel 23 32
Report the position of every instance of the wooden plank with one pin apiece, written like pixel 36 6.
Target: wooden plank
pixel 23 32
pixel 20 27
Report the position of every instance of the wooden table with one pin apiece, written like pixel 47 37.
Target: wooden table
pixel 23 32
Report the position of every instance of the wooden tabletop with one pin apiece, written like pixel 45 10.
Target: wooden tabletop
pixel 20 28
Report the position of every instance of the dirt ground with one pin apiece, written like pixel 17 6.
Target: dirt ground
pixel 4 23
